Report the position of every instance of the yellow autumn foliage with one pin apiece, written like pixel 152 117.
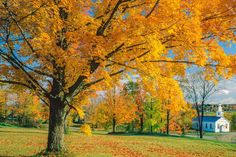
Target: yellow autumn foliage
pixel 86 129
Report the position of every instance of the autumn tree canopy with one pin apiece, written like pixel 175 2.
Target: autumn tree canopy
pixel 115 109
pixel 61 49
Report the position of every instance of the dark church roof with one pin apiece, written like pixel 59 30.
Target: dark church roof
pixel 208 118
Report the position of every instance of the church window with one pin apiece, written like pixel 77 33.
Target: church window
pixel 206 125
pixel 210 126
pixel 218 126
pixel 226 126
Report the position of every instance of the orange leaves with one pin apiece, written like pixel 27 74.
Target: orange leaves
pixel 63 40
pixel 233 64
pixel 3 95
pixel 115 105
pixel 29 106
pixel 35 100
pixel 170 94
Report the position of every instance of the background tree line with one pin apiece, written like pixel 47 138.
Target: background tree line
pixel 22 108
pixel 132 109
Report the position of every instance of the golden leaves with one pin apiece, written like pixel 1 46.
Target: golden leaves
pixel 176 31
pixel 86 129
pixel 115 105
pixel 80 112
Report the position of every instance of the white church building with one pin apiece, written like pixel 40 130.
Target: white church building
pixel 213 123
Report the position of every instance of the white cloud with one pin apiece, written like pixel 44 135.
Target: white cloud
pixel 227 93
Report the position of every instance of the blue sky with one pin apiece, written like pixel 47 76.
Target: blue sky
pixel 229 49
pixel 227 94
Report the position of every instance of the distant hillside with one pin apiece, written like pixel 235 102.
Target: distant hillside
pixel 214 107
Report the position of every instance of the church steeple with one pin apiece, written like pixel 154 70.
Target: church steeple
pixel 220 112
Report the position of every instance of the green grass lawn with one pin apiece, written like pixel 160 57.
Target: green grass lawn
pixel 27 142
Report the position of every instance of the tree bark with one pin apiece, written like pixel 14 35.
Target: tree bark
pixel 151 116
pixel 200 119
pixel 202 116
pixel 113 124
pixel 167 121
pixel 160 128
pixel 201 132
pixel 66 128
pixel 132 125
pixel 151 125
pixel 141 123
pixel 56 126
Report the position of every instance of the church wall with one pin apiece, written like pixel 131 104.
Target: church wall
pixel 209 126
pixel 222 125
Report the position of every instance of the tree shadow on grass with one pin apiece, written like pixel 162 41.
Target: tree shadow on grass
pixel 13 156
pixel 169 136
pixel 45 153
pixel 153 135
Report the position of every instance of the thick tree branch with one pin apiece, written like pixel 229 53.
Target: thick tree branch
pixel 102 28
pixel 153 8
pixel 109 55
pixel 11 14
pixel 15 83
pixel 101 79
pixel 184 62
pixel 28 75
pixel 94 65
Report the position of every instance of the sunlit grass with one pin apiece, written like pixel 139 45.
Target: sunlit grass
pixel 27 142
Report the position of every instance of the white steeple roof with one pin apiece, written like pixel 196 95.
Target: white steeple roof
pixel 220 112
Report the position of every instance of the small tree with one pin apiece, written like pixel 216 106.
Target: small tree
pixel 172 100
pixel 184 119
pixel 152 114
pixel 198 89
pixel 137 94
pixel 115 109
pixel 28 109
pixel 233 122
pixel 3 105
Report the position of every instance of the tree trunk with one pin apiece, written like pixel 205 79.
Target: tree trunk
pixel 151 116
pixel 56 126
pixel 132 125
pixel 113 124
pixel 160 128
pixel 141 123
pixel 151 125
pixel 200 127
pixel 167 122
pixel 183 130
pixel 66 128
pixel 201 120
pixel 201 132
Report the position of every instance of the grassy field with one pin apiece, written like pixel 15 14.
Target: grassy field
pixel 27 142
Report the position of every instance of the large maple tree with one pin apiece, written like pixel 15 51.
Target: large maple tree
pixel 60 49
